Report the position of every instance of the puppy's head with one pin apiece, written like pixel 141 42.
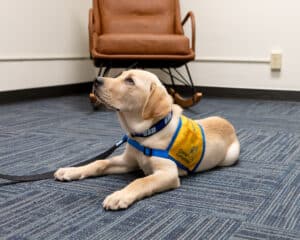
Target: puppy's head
pixel 134 91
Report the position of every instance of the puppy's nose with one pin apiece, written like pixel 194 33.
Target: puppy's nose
pixel 99 81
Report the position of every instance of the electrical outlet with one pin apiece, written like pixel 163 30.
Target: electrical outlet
pixel 276 60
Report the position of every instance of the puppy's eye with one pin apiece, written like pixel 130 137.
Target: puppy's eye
pixel 129 81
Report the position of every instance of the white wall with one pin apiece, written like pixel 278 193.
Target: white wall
pixel 227 32
pixel 43 29
pixel 246 30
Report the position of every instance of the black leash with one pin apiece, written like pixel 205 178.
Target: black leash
pixel 49 175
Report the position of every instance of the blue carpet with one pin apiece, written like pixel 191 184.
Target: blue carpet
pixel 256 199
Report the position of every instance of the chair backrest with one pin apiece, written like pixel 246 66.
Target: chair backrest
pixel 138 16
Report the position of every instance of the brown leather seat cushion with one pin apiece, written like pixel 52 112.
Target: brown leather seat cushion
pixel 138 16
pixel 143 44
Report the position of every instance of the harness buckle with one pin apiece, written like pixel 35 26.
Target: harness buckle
pixel 147 151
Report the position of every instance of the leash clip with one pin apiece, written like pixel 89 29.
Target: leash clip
pixel 124 140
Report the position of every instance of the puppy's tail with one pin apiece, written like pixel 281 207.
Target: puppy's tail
pixel 232 154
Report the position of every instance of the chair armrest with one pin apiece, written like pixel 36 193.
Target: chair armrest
pixel 91 19
pixel 193 25
pixel 91 29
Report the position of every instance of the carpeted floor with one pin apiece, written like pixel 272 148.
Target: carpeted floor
pixel 256 199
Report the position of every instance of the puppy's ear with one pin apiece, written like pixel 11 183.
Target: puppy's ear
pixel 158 103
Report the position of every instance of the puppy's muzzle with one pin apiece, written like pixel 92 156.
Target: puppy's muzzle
pixel 98 83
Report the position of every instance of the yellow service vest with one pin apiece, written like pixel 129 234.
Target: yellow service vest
pixel 186 148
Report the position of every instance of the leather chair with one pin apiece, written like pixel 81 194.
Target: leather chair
pixel 144 34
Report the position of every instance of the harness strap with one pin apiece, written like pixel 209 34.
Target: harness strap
pixel 148 151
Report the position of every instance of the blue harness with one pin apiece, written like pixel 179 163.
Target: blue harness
pixel 184 158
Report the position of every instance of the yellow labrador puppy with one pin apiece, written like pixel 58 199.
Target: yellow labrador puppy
pixel 160 141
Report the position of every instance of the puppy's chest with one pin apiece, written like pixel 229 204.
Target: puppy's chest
pixel 144 164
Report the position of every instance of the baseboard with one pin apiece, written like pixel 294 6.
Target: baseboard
pixel 243 93
pixel 47 92
pixel 44 92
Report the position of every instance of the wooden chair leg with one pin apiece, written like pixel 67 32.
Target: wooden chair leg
pixel 94 102
pixel 178 99
pixel 93 98
pixel 185 102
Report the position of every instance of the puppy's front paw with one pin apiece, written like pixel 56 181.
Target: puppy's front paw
pixel 117 200
pixel 68 174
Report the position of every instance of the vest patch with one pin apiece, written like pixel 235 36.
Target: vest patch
pixel 188 146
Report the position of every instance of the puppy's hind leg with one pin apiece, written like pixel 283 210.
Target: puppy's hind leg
pixel 232 155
